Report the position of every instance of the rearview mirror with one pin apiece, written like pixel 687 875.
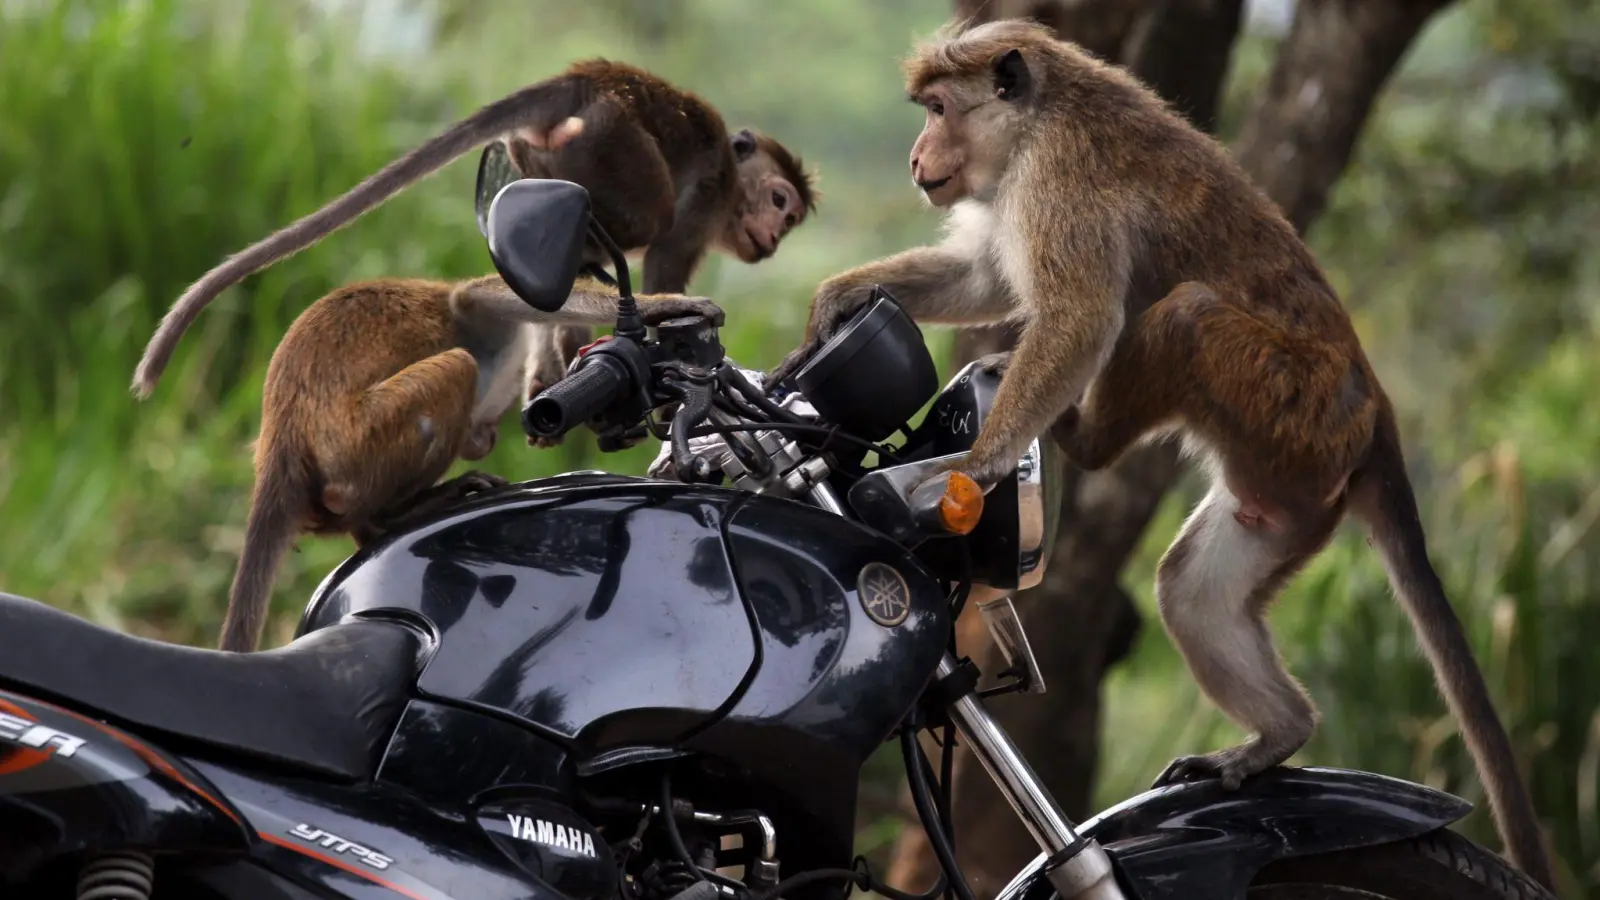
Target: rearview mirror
pixel 536 229
pixel 494 172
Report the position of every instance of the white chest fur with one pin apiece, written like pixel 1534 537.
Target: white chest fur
pixel 979 232
pixel 500 373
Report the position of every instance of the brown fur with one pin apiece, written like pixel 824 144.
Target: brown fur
pixel 1157 284
pixel 657 160
pixel 373 393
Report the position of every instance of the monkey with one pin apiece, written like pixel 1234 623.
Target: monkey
pixel 660 168
pixel 774 194
pixel 376 389
pixel 1160 294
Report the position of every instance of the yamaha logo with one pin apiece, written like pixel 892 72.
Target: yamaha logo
pixel 884 594
pixel 528 828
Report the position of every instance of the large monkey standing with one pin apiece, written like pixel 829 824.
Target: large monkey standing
pixel 1160 292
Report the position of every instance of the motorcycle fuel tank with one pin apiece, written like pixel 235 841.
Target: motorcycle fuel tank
pixel 608 613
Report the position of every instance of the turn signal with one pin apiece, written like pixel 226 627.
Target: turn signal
pixel 962 504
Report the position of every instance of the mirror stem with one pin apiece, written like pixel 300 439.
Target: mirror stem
pixel 629 325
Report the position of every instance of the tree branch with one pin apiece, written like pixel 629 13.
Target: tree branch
pixel 1304 126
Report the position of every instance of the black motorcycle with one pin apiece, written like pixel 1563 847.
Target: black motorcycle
pixel 598 687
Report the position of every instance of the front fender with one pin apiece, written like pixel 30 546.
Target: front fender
pixel 1200 842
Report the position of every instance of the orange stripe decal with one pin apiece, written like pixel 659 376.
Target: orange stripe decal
pixel 150 757
pixel 154 761
pixel 21 759
pixel 337 863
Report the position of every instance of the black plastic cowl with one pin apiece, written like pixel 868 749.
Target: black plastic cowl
pixel 873 374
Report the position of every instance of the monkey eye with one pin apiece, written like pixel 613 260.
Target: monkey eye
pixel 788 221
pixel 779 200
pixel 936 107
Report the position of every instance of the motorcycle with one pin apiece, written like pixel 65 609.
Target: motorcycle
pixel 598 687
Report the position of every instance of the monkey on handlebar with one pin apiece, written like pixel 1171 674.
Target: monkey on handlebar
pixel 379 387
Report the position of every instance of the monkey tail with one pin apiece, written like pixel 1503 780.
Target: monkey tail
pixel 275 518
pixel 1385 501
pixel 539 108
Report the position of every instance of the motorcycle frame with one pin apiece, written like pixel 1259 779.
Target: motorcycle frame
pixel 1191 840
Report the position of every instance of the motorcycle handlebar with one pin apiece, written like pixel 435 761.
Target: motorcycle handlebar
pixel 600 382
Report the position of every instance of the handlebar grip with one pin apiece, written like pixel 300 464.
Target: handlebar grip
pixel 579 397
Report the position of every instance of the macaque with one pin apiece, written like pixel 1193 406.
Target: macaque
pixel 661 171
pixel 1160 292
pixel 373 393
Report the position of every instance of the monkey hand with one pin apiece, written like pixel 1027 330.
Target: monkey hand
pixel 831 308
pixel 791 363
pixel 658 308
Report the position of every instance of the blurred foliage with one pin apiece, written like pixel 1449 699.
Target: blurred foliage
pixel 141 141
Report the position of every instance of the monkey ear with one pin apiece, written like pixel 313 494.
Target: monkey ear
pixel 744 144
pixel 1012 80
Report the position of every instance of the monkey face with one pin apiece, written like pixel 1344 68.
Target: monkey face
pixel 770 207
pixel 974 120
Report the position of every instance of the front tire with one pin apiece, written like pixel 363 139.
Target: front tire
pixel 1440 865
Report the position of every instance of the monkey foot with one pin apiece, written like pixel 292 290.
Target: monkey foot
pixel 475 482
pixel 432 501
pixel 995 363
pixel 1223 766
pixel 1231 766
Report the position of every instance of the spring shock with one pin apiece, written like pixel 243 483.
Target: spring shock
pixel 126 875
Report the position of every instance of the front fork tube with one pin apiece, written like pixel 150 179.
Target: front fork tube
pixel 1077 867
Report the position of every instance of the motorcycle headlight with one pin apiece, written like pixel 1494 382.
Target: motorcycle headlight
pixel 1039 478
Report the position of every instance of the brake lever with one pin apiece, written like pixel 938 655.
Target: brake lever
pixel 692 410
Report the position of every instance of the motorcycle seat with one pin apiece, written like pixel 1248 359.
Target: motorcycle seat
pixel 323 705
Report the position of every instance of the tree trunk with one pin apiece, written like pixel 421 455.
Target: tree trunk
pixel 1301 131
pixel 1097 26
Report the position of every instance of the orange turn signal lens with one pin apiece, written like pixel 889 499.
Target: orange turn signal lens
pixel 962 504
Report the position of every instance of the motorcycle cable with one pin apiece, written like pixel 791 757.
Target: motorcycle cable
pixel 959 594
pixel 860 877
pixel 830 433
pixel 731 377
pixel 680 849
pixel 917 773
